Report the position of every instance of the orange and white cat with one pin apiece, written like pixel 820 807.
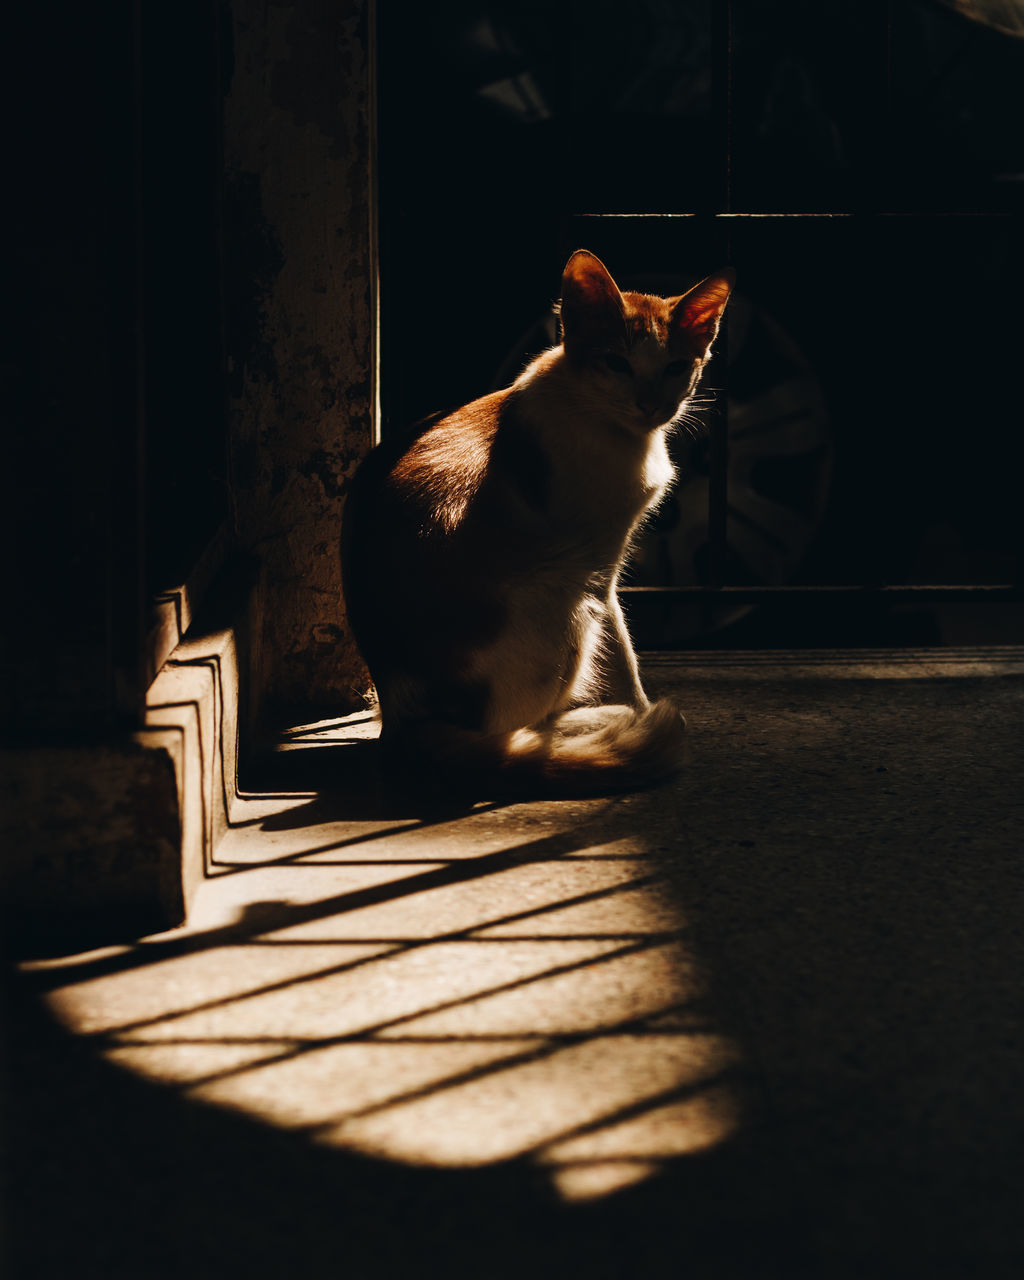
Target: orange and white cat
pixel 480 559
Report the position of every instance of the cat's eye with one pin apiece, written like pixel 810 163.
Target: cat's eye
pixel 676 368
pixel 619 364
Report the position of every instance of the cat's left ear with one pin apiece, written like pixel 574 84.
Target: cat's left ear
pixel 591 309
pixel 699 312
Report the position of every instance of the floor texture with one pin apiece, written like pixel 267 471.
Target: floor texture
pixel 765 1020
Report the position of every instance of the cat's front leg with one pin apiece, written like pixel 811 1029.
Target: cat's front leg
pixel 618 659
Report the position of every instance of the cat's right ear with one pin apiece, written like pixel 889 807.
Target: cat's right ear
pixel 699 312
pixel 591 309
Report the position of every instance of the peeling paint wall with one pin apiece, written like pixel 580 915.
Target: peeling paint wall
pixel 298 210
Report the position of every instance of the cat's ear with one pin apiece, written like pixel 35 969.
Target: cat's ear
pixel 699 312
pixel 591 309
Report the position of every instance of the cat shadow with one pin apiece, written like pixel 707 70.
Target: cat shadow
pixel 353 782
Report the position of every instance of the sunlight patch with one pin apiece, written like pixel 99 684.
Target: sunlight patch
pixel 523 1107
pixel 590 1181
pixel 548 1011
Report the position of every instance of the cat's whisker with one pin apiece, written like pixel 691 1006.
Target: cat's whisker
pixel 692 426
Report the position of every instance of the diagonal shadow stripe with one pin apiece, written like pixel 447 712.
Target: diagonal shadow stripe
pixel 404 945
pixel 462 1037
pixel 374 1030
pixel 548 1043
pixel 238 868
pixel 618 935
pixel 286 915
pixel 632 1111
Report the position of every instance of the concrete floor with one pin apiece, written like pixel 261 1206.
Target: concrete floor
pixel 762 1021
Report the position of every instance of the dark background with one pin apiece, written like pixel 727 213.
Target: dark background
pixel 501 124
pixel 504 127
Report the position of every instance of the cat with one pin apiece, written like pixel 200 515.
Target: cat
pixel 480 558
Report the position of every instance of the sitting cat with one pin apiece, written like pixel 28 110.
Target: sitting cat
pixel 480 559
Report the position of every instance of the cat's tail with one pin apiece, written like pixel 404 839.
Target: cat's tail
pixel 627 749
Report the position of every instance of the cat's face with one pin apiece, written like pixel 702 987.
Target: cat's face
pixel 642 355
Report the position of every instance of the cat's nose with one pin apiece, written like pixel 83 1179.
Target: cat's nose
pixel 647 406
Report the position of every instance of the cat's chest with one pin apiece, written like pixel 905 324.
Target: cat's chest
pixel 657 472
pixel 623 482
pixel 600 494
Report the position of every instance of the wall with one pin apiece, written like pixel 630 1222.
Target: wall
pixel 300 306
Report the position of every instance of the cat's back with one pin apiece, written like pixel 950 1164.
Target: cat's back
pixel 465 475
pixel 412 528
pixel 439 473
